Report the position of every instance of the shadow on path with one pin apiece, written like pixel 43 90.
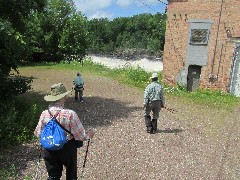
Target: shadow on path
pixel 97 111
pixel 168 130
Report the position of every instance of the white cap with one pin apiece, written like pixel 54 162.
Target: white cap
pixel 154 75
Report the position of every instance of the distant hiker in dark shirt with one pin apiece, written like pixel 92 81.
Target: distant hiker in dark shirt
pixel 153 102
pixel 78 83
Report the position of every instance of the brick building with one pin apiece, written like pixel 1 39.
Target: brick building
pixel 202 44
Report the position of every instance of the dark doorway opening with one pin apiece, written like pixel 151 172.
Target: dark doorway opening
pixel 193 77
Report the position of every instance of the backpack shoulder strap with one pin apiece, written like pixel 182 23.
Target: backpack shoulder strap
pixel 55 119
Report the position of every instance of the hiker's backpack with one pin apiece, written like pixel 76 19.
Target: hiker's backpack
pixel 79 88
pixel 53 136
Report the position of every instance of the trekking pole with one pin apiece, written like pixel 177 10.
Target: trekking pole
pixel 72 89
pixel 85 159
pixel 38 162
pixel 170 109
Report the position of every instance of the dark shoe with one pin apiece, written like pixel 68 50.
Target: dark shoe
pixel 149 129
pixel 154 131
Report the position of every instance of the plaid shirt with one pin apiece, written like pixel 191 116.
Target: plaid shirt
pixel 153 92
pixel 67 118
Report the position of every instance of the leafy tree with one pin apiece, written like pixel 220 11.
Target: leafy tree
pixel 54 21
pixel 13 49
pixel 73 42
pixel 57 33
pixel 143 32
pixel 16 11
pixel 118 25
pixel 13 46
pixel 157 25
pixel 35 36
pixel 100 34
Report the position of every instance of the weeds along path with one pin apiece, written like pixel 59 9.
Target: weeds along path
pixel 186 146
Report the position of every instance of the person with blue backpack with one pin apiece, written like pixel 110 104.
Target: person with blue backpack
pixel 59 129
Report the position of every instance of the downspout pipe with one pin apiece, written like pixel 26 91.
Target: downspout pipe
pixel 215 48
pixel 234 59
pixel 219 61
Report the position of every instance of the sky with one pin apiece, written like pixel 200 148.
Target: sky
pixel 119 8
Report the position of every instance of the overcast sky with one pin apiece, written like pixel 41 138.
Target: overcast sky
pixel 119 8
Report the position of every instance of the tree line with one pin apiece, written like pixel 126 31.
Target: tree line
pixel 139 34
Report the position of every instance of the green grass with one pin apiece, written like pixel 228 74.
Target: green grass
pixel 213 98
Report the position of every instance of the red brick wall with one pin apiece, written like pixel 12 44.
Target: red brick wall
pixel 176 39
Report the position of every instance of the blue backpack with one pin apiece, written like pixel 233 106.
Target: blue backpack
pixel 53 136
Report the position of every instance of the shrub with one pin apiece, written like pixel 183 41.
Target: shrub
pixel 18 120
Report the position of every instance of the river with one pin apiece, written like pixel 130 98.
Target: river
pixel 145 64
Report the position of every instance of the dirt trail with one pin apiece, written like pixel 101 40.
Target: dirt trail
pixel 121 148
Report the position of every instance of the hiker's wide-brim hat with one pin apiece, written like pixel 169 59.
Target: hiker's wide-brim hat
pixel 154 75
pixel 58 91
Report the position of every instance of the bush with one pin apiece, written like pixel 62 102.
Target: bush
pixel 6 173
pixel 18 120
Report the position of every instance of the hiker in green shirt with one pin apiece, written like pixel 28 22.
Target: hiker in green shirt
pixel 153 102
pixel 78 83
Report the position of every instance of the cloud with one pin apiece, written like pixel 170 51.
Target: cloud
pixel 100 14
pixel 124 3
pixel 92 5
pixel 152 2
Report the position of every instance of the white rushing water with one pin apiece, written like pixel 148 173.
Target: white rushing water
pixel 146 64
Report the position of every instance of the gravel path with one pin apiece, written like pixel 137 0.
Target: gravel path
pixel 121 149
